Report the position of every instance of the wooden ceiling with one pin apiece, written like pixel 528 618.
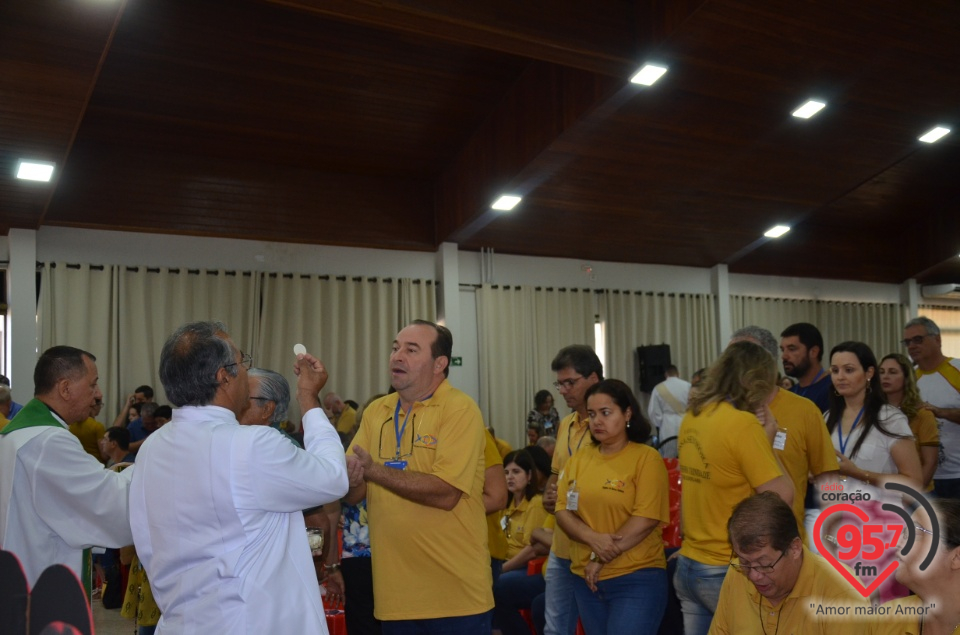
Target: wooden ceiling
pixel 395 124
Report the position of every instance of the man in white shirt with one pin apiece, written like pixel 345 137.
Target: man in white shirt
pixel 668 403
pixel 55 499
pixel 938 378
pixel 215 506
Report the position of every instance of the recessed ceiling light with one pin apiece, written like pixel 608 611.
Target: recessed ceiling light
pixel 809 109
pixel 506 202
pixel 648 75
pixel 935 135
pixel 776 231
pixel 34 171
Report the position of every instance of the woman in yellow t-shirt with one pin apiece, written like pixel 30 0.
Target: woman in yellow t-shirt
pixel 524 511
pixel 612 501
pixel 900 386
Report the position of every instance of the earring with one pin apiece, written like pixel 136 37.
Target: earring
pixel 835 392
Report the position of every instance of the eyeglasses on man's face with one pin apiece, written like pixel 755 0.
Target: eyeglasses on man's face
pixel 759 568
pixel 245 360
pixel 567 384
pixel 916 340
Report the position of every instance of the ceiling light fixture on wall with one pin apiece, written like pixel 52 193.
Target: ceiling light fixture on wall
pixel 34 170
pixel 776 231
pixel 648 75
pixel 506 202
pixel 809 109
pixel 935 135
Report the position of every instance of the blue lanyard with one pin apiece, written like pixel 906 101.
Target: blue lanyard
pixel 396 425
pixel 843 444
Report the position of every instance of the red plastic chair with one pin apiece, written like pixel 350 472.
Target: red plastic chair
pixel 671 533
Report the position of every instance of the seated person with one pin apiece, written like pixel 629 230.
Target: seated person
pixel 163 415
pixel 774 579
pixel 514 592
pixel 115 446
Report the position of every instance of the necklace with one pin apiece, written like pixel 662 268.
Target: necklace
pixel 777 628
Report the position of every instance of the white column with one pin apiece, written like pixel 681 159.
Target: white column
pixel 22 340
pixel 910 296
pixel 720 286
pixel 448 289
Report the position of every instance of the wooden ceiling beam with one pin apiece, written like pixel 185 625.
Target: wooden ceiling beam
pixel 533 29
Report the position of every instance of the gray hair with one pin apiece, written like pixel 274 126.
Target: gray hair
pixel 274 387
pixel 758 335
pixel 547 442
pixel 148 409
pixel 925 322
pixel 190 360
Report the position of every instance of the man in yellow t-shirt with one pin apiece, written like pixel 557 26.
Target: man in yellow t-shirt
pixel 342 414
pixel 775 584
pixel 421 470
pixel 577 368
pixel 90 431
pixel 802 442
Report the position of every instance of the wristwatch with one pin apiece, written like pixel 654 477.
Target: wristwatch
pixel 594 557
pixel 330 568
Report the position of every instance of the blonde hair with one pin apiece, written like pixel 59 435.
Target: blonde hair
pixel 911 402
pixel 745 375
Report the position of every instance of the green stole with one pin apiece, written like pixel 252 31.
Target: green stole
pixel 36 414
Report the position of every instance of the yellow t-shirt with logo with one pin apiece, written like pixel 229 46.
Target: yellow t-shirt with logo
pixel 724 456
pixel 521 520
pixel 612 489
pixel 346 420
pixel 495 538
pixel 572 436
pixel 427 562
pixel 807 448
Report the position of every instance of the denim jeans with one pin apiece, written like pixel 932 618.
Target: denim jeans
pixel 478 624
pixel 698 587
pixel 515 590
pixel 561 607
pixel 946 487
pixel 631 603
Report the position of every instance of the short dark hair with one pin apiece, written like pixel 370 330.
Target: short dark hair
pixel 164 411
pixel 120 435
pixel 56 363
pixel 808 334
pixel 4 380
pixel 443 345
pixel 580 358
pixel 145 390
pixel 541 397
pixel 190 360
pixel 638 428
pixel 761 520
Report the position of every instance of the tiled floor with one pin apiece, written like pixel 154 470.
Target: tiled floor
pixel 109 622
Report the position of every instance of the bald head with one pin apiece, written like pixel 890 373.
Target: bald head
pixel 333 403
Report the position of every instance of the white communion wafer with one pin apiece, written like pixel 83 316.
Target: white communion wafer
pixel 299 349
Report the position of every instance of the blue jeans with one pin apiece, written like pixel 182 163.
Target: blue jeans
pixel 561 607
pixel 631 603
pixel 698 587
pixel 479 624
pixel 947 487
pixel 515 590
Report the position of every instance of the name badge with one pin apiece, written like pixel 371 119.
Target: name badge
pixel 396 465
pixel 780 441
pixel 573 501
pixel 503 523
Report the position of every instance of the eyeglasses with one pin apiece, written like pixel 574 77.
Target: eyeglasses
pixel 567 384
pixel 916 340
pixel 245 360
pixel 402 452
pixel 262 399
pixel 759 568
pixel 923 529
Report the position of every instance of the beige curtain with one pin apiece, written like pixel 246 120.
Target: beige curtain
pixel 155 302
pixel 78 307
pixel 687 322
pixel 879 325
pixel 520 330
pixel 349 323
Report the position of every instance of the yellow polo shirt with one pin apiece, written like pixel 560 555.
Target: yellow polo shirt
pixel 89 431
pixel 347 419
pixel 495 538
pixel 573 435
pixel 899 618
pixel 724 456
pixel 612 489
pixel 521 519
pixel 429 563
pixel 741 609
pixel 807 448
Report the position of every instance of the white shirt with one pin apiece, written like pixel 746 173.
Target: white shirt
pixel 663 414
pixel 215 510
pixel 56 500
pixel 937 391
pixel 874 455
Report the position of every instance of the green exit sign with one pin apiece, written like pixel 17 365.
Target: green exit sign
pixel 456 361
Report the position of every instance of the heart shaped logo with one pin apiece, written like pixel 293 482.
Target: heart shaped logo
pixel 839 566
